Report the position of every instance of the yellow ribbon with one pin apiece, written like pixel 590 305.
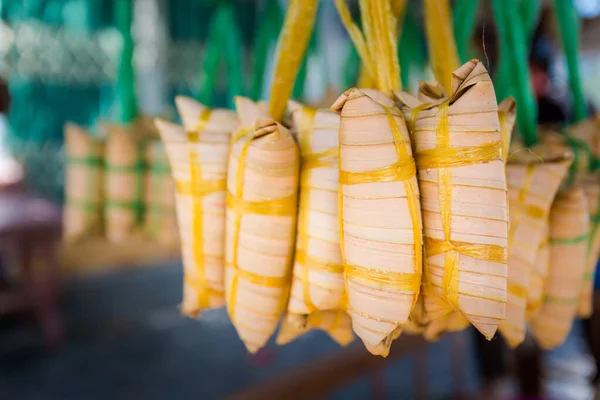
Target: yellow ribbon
pixel 442 158
pixel 442 48
pixel 310 160
pixel 378 47
pixel 293 40
pixel 238 206
pixel 198 188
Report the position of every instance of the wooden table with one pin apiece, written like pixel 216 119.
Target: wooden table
pixel 318 379
pixel 30 230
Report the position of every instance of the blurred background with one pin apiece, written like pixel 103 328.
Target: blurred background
pixel 114 330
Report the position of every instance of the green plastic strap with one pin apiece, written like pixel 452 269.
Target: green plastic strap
pixel 210 63
pixel 127 104
pixel 558 300
pixel 136 205
pixel 160 168
pixel 513 46
pixel 232 45
pixel 464 24
pixel 574 240
pixel 89 161
pixel 86 205
pixel 138 168
pixel 351 69
pixel 568 26
pixel 530 12
pixel 412 53
pixel 269 23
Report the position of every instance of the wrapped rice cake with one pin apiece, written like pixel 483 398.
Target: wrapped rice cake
pixel 318 278
pixel 569 229
pixel 381 232
pixel 83 183
pixel 458 149
pixel 262 195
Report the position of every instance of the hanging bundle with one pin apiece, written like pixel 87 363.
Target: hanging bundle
pixel 569 229
pixel 591 188
pixel 123 182
pixel 261 223
pixel 533 181
pixel 318 278
pixel 160 221
pixel 381 234
pixel 198 161
pixel 463 196
pixel 262 191
pixel 83 183
pixel 455 320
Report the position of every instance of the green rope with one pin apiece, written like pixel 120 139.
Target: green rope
pixel 232 46
pixel 210 63
pixel 412 53
pixel 512 34
pixel 351 68
pixel 464 24
pixel 127 104
pixel 574 240
pixel 530 12
pixel 568 26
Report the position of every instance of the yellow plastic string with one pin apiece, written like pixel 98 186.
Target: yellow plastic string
pixel 198 191
pixel 364 79
pixel 399 171
pixel 293 40
pixel 379 51
pixel 238 206
pixel 305 130
pixel 456 156
pixel 483 252
pixel 505 134
pixel 408 282
pixel 516 289
pixel 310 160
pixel 403 170
pixel 443 157
pixel 412 123
pixel 442 48
pixel 316 264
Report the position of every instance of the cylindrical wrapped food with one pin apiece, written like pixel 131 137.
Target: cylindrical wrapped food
pixel 198 161
pixel 262 195
pixel 533 180
pixel 160 221
pixel 83 183
pixel 123 182
pixel 318 279
pixel 458 149
pixel 591 188
pixel 569 229
pixel 381 232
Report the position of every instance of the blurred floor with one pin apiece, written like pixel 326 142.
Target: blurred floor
pixel 127 340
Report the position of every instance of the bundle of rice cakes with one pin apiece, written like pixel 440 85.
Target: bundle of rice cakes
pixel 318 275
pixel 462 181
